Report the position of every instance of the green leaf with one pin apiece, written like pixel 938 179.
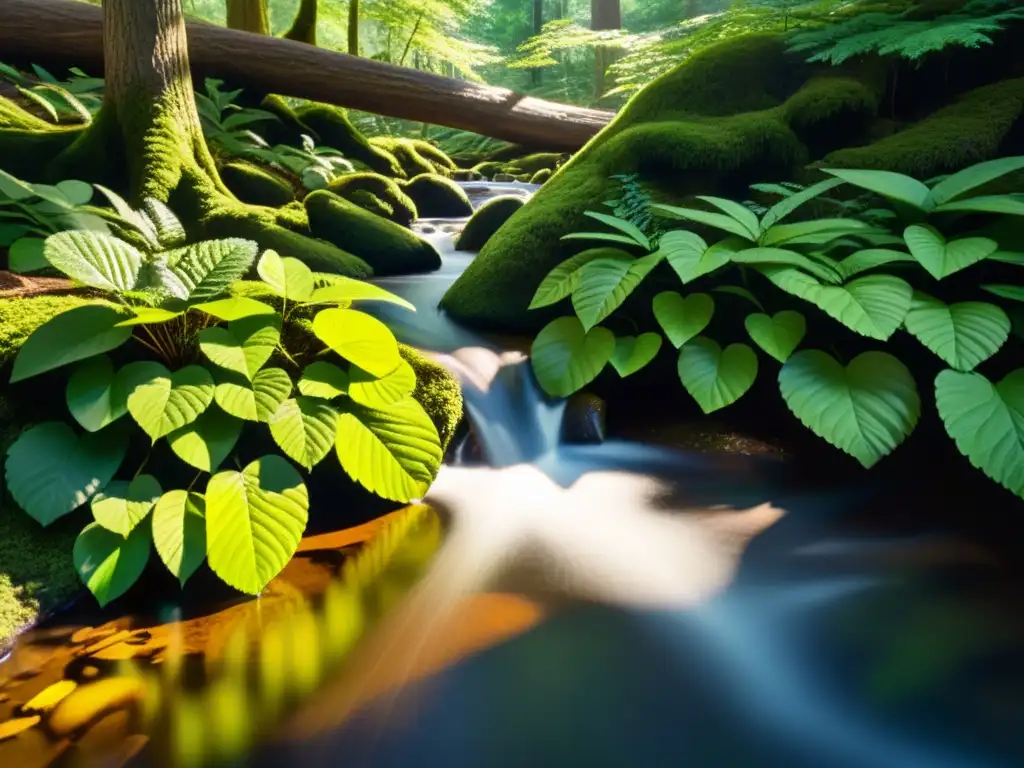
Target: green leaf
pixel 870 258
pixel 51 471
pixel 633 353
pixel 207 441
pixel 77 334
pixel 740 291
pixel 149 316
pixel 381 392
pixel 1005 204
pixel 362 340
pixel 394 453
pixel 96 396
pixel 287 277
pixel 179 532
pixel 345 289
pixel 109 564
pixel 682 318
pixel 207 268
pixel 561 280
pixel 873 306
pixel 941 258
pixel 565 357
pixel 324 380
pixel 964 334
pixel 254 521
pixel 27 255
pixel 743 215
pixel 131 217
pixel 716 220
pixel 14 188
pixel 986 421
pixel 715 377
pixel 783 208
pixel 95 259
pixel 779 336
pixel 789 258
pixel 245 346
pixel 235 308
pixel 257 400
pixel 603 284
pixel 894 186
pixel 305 429
pixel 605 236
pixel 122 505
pixel 689 255
pixel 1012 292
pixel 1008 257
pixel 169 401
pixel 77 192
pixel 865 409
pixel 169 231
pixel 976 176
pixel 628 228
pixel 804 231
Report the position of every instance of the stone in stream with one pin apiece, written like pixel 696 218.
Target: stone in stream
pixel 584 419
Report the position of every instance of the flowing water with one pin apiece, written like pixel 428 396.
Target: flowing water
pixel 606 605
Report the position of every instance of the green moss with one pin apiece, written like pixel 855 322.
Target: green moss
pixel 20 317
pixel 440 160
pixel 288 128
pixel 487 220
pixel 415 156
pixel 537 162
pixel 387 190
pixel 438 197
pixel 293 216
pixel 335 130
pixel 437 391
pixel 252 184
pixel 972 129
pixel 370 202
pixel 489 169
pixel 387 247
pixel 830 111
pixel 303 29
pixel 541 176
pixel 27 143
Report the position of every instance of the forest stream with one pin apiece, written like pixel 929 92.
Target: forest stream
pixel 611 604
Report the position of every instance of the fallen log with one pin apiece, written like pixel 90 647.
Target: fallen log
pixel 72 32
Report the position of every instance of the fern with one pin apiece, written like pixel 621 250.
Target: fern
pixel 634 205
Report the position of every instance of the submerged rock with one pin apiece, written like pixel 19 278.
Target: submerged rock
pixel 584 419
pixel 437 197
pixel 487 220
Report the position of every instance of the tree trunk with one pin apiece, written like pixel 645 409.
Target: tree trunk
pixel 72 35
pixel 304 27
pixel 249 16
pixel 538 27
pixel 604 15
pixel 353 27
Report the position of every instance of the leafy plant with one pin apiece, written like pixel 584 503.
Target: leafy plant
pixel 870 281
pixel 207 366
pixel 315 166
pixel 226 124
pixel 77 99
pixel 634 205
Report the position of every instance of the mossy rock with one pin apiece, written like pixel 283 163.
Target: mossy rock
pixel 288 128
pixel 489 168
pixel 416 156
pixel 336 131
pixel 252 184
pixel 437 391
pixel 387 247
pixel 741 112
pixel 487 220
pixel 437 197
pixel 371 203
pixel 541 176
pixel 537 162
pixel 403 209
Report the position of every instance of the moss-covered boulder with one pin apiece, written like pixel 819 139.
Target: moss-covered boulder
pixel 416 156
pixel 371 203
pixel 437 197
pixel 335 130
pixel 541 176
pixel 387 247
pixel 488 169
pixel 741 112
pixel 487 220
pixel 403 209
pixel 437 391
pixel 252 184
pixel 531 164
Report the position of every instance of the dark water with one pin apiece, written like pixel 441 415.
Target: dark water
pixel 612 605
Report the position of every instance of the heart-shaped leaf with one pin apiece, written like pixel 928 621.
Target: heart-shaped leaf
pixel 179 532
pixel 603 284
pixel 870 258
pixel 865 409
pixel 779 335
pixel 394 453
pixel 964 334
pixel 715 377
pixel 362 340
pixel 873 305
pixel 561 280
pixel 257 400
pixel 108 564
pixel 565 358
pixel 305 429
pixel 689 255
pixel 207 441
pixel 207 268
pixel 942 258
pixel 244 346
pixel 287 277
pixel 682 318
pixel 254 521
pixel 235 308
pixel 51 471
pixel 77 334
pixel 634 352
pixel 95 259
pixel 122 505
pixel 381 392
pixel 27 255
pixel 324 380
pixel 96 396
pixel 1012 292
pixel 345 290
pixel 986 421
pixel 169 401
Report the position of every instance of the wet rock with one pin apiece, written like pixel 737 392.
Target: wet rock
pixel 467 175
pixel 584 419
pixel 504 177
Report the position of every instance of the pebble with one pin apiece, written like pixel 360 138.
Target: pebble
pixel 91 701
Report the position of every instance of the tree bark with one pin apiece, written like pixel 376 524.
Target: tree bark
pixel 72 34
pixel 304 27
pixel 249 16
pixel 353 27
pixel 604 15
